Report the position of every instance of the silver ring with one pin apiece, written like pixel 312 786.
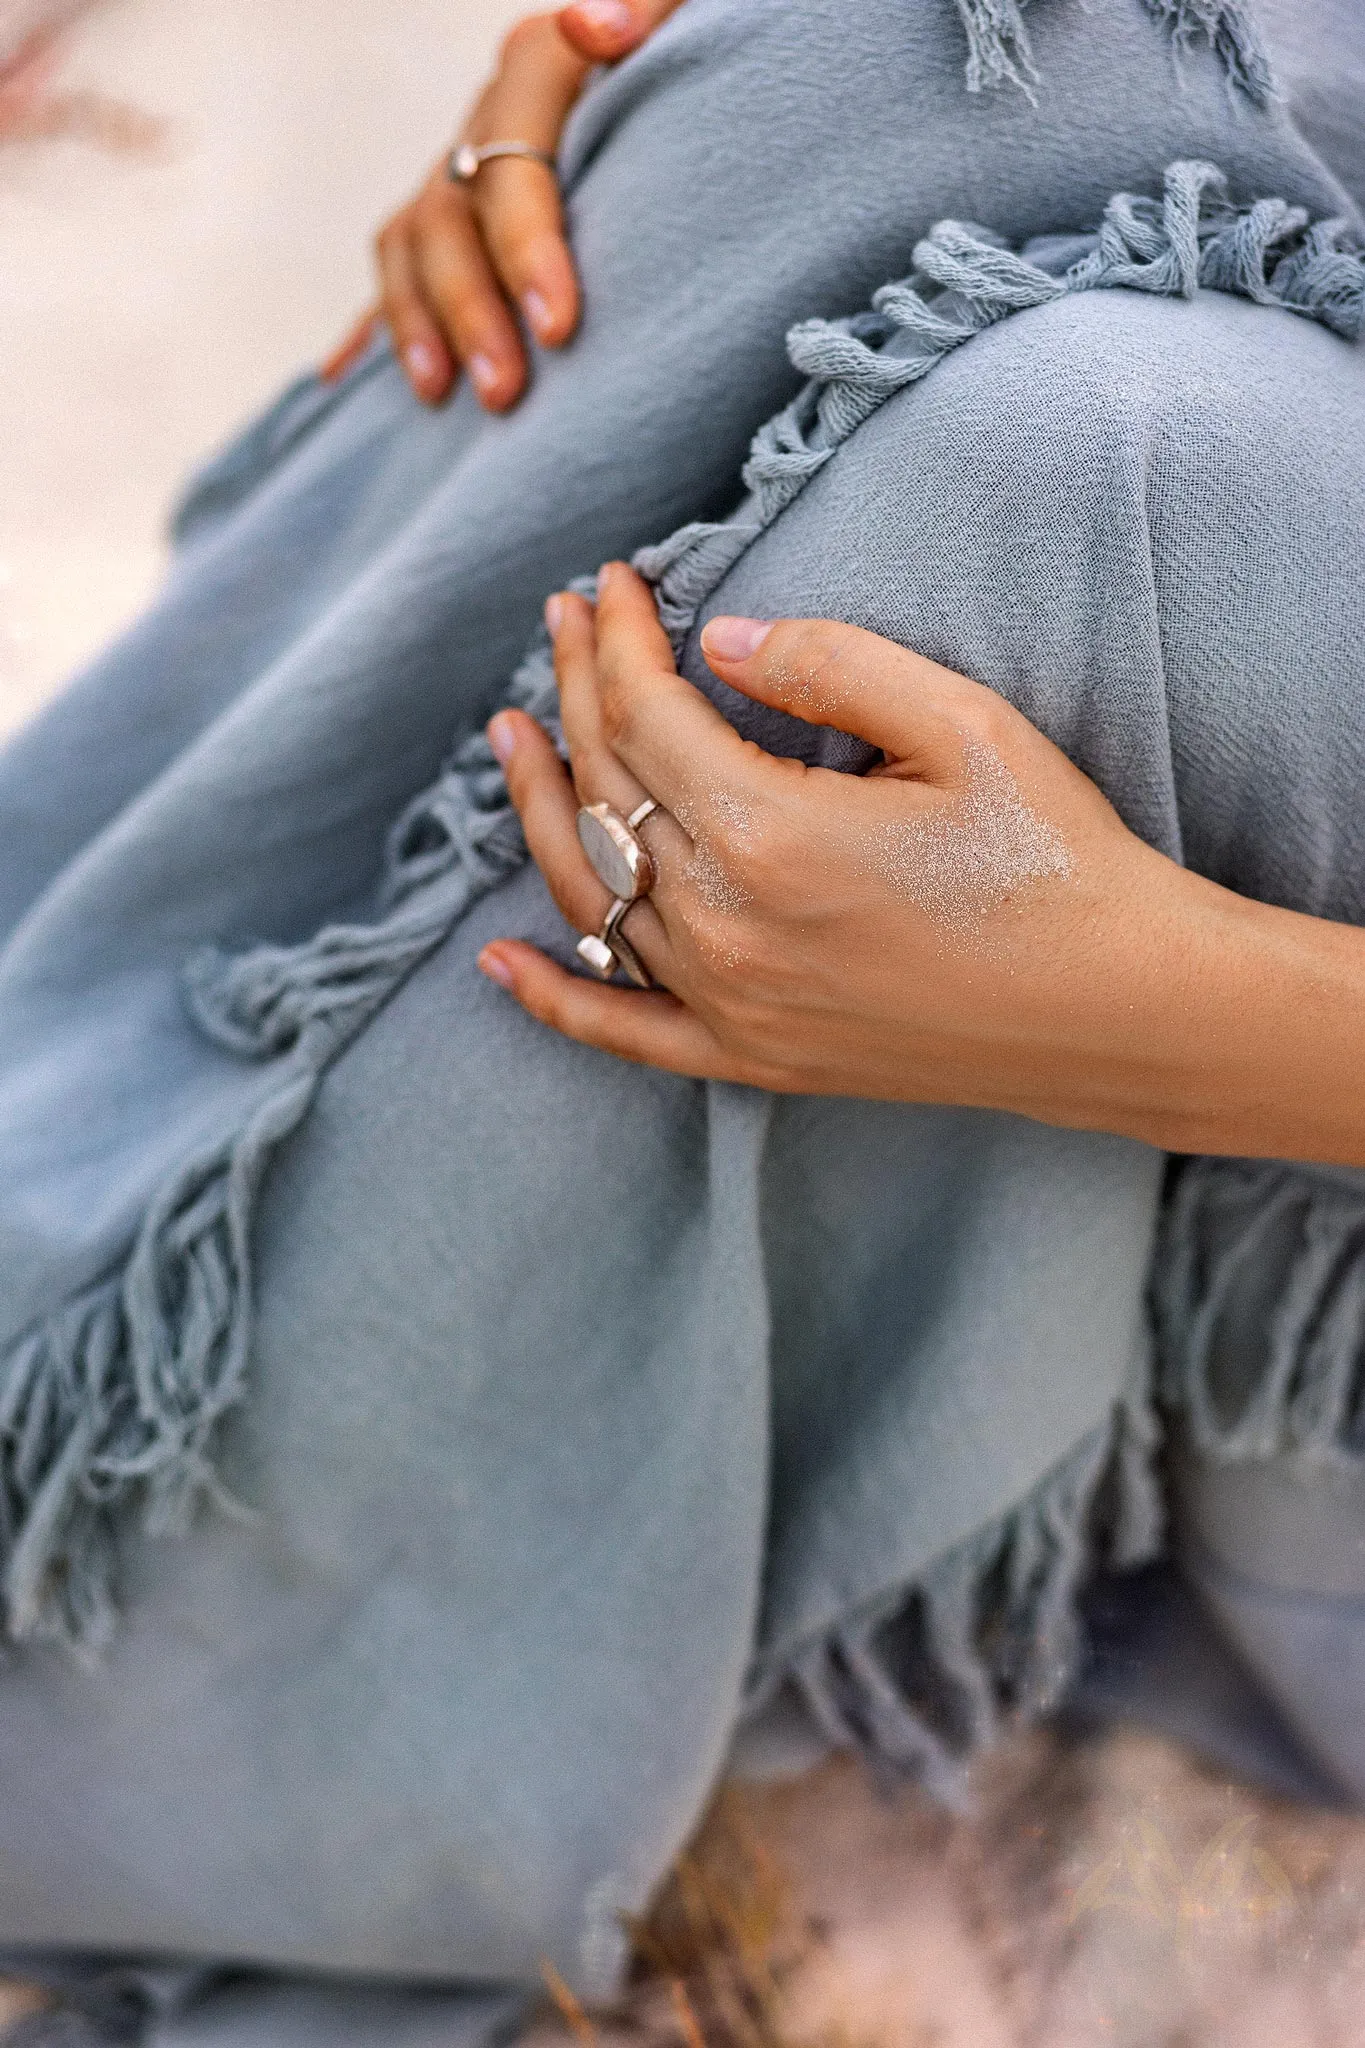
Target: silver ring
pixel 609 949
pixel 468 158
pixel 619 857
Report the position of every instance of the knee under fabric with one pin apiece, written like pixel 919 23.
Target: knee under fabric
pixel 858 1397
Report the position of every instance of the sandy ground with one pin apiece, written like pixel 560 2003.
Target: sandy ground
pixel 186 193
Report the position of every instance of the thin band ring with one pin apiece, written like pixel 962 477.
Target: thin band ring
pixel 609 949
pixel 468 158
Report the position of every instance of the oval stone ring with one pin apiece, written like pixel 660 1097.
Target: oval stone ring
pixel 620 859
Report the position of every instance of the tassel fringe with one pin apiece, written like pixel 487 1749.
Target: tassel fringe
pixel 998 51
pixel 927 1677
pixel 109 1408
pixel 1259 1298
pixel 964 282
pixel 1227 28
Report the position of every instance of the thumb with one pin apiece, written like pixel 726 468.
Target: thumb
pixel 831 674
pixel 605 30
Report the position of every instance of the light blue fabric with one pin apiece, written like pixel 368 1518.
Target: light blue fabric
pixel 577 1407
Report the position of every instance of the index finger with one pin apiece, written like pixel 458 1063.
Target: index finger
pixel 672 740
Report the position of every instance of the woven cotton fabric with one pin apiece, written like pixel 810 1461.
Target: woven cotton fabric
pixel 432 1438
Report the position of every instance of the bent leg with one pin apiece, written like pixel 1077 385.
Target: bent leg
pixel 1143 521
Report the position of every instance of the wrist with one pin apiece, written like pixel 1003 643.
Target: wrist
pixel 1234 1027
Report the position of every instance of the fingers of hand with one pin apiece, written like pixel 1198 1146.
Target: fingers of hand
pixel 539 77
pixel 459 283
pixel 518 207
pixel 349 351
pixel 605 30
pixel 598 775
pixel 418 337
pixel 652 1030
pixel 837 675
pixel 449 262
pixel 547 805
pixel 677 745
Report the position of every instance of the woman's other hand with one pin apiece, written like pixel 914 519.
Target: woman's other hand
pixel 971 923
pixel 460 262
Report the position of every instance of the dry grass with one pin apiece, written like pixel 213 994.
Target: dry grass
pixel 1106 1894
pixel 715 1960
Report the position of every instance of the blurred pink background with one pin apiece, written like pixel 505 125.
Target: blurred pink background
pixel 187 194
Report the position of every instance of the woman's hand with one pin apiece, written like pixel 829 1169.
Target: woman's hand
pixel 459 262
pixel 971 923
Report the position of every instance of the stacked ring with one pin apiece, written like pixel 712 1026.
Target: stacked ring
pixel 468 158
pixel 622 863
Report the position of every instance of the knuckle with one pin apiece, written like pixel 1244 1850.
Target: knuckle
pixel 525 37
pixel 817 654
pixel 619 712
pixel 551 1008
pixel 818 642
pixel 504 227
pixel 432 208
pixel 772 851
pixel 741 1022
pixel 991 720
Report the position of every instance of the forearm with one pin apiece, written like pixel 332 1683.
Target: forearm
pixel 1233 1027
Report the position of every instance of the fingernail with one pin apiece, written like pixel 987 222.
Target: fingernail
pixel 613 17
pixel 734 639
pixel 484 372
pixel 607 575
pixel 536 307
pixel 502 738
pixel 424 364
pixel 554 614
pixel 496 968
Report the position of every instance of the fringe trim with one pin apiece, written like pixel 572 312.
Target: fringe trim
pixel 964 282
pixel 1259 1300
pixel 108 1409
pixel 1228 29
pixel 924 1679
pixel 998 51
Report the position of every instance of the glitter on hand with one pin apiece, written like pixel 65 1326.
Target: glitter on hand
pixel 963 862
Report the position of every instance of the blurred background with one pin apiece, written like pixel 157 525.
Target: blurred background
pixel 188 190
